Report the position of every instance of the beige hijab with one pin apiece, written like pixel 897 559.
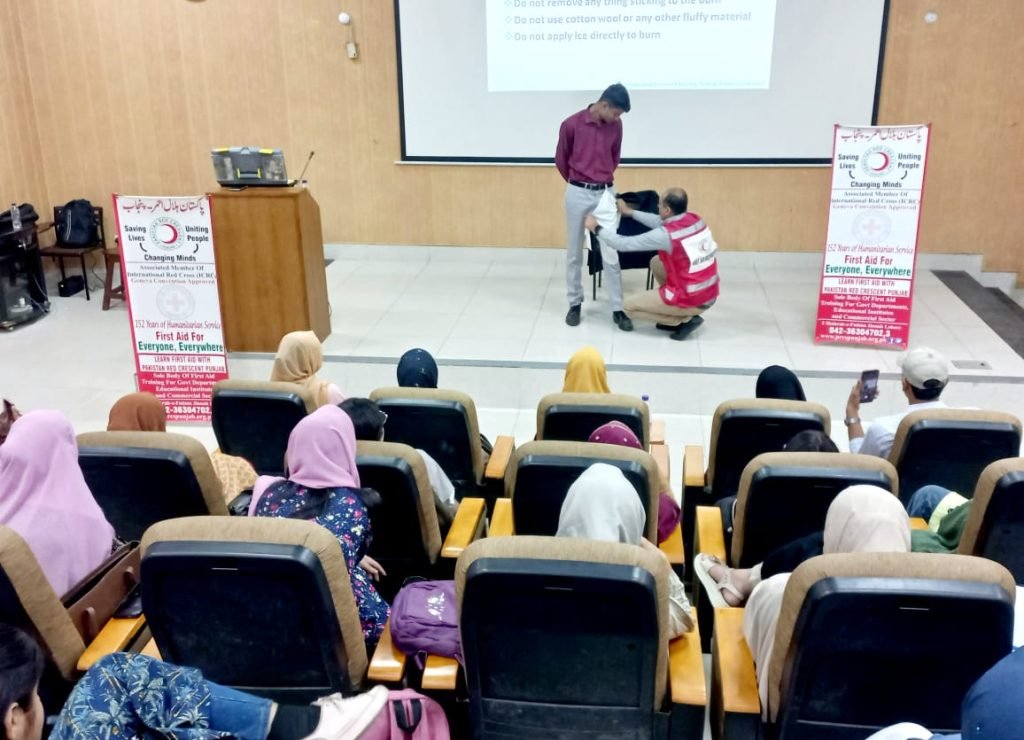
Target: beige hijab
pixel 299 357
pixel 602 505
pixel 860 519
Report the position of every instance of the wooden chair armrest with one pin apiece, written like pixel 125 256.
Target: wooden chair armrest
pixel 917 522
pixel 709 535
pixel 673 548
pixel 686 670
pixel 467 526
pixel 115 636
pixel 693 466
pixel 440 674
pixel 151 650
pixel 661 457
pixel 733 676
pixel 388 663
pixel 657 432
pixel 501 520
pixel 504 446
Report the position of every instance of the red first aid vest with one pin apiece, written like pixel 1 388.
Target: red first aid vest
pixel 691 271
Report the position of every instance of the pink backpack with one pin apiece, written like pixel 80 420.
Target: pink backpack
pixel 424 620
pixel 408 715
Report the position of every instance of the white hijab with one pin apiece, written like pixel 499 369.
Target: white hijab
pixel 860 519
pixel 602 505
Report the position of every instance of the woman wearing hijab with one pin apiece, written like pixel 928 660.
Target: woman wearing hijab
pixel 617 433
pixel 585 373
pixel 300 356
pixel 323 486
pixel 860 519
pixel 602 505
pixel 44 498
pixel 144 412
pixel 417 369
pixel 776 381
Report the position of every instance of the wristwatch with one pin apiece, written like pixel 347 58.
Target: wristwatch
pixel 851 420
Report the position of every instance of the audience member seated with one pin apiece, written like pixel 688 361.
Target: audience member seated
pixel 585 373
pixel 144 412
pixel 128 696
pixel 992 709
pixel 779 382
pixel 946 513
pixel 46 501
pixel 925 376
pixel 369 420
pixel 602 505
pixel 860 519
pixel 300 356
pixel 417 369
pixel 617 433
pixel 323 486
pixel 8 416
pixel 727 586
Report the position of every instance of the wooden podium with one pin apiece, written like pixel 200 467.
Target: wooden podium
pixel 270 266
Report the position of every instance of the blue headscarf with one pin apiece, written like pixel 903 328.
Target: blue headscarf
pixel 417 369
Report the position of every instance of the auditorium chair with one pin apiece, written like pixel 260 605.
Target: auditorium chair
pixel 950 447
pixel 73 630
pixel 140 478
pixel 262 605
pixel 741 430
pixel 995 524
pixel 567 638
pixel 406 534
pixel 864 641
pixel 782 496
pixel 573 417
pixel 443 423
pixel 253 419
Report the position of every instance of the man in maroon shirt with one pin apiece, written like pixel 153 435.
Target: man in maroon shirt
pixel 589 143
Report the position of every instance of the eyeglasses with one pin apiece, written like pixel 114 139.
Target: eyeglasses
pixel 384 417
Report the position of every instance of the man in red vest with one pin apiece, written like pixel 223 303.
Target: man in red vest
pixel 685 267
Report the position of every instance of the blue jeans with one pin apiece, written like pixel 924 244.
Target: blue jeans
pixel 243 715
pixel 925 500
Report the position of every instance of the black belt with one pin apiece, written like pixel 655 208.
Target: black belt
pixel 590 185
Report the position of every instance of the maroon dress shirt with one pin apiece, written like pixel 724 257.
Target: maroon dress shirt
pixel 588 150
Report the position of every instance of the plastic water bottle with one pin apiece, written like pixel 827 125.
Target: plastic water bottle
pixel 646 399
pixel 15 217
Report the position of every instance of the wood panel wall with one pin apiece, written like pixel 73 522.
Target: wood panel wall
pixel 156 83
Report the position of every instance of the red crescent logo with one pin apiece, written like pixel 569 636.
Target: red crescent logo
pixel 174 234
pixel 885 162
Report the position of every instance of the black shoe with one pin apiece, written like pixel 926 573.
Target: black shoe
pixel 573 317
pixel 668 327
pixel 685 330
pixel 622 320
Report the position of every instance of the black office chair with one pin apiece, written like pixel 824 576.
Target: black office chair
pixel 567 638
pixel 443 423
pixel 865 641
pixel 253 419
pixel 642 200
pixel 259 604
pixel 951 447
pixel 140 478
pixel 540 473
pixel 995 524
pixel 406 534
pixel 573 417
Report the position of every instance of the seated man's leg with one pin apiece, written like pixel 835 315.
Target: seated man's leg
pixel 648 305
pixel 657 269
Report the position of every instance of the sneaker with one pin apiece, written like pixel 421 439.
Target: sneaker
pixel 684 330
pixel 573 317
pixel 622 320
pixel 347 719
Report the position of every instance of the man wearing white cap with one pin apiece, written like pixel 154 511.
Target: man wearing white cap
pixel 925 375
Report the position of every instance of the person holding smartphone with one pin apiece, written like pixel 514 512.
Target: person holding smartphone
pixel 925 376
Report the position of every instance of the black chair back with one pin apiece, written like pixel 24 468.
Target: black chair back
pixel 555 648
pixel 575 423
pixel 255 616
pixel 1001 535
pixel 255 425
pixel 137 487
pixel 543 481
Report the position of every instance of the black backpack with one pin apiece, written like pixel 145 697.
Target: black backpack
pixel 76 225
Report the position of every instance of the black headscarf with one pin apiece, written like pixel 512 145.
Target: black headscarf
pixel 417 369
pixel 776 381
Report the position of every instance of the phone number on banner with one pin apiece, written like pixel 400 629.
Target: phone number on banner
pixel 859 331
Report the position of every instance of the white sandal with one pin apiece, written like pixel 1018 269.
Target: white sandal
pixel 703 564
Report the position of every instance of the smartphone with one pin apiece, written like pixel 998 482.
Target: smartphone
pixel 868 385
